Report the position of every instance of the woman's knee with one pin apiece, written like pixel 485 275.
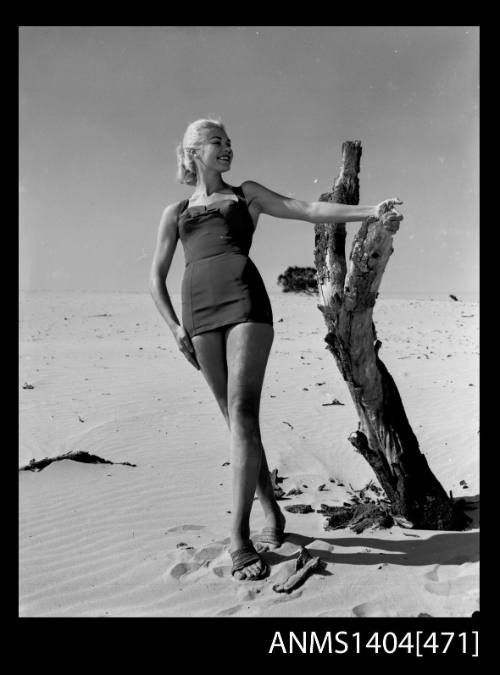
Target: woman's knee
pixel 244 412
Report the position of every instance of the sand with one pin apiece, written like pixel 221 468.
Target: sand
pixel 152 540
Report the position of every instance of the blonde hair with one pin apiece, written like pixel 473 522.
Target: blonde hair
pixel 186 167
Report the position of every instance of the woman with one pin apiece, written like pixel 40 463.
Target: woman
pixel 227 323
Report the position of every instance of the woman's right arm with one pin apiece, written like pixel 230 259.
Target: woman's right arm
pixel 166 244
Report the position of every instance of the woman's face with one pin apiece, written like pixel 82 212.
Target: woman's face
pixel 215 150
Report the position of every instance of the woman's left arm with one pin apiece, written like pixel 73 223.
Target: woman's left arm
pixel 279 206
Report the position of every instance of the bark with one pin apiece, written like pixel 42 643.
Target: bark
pixel 347 297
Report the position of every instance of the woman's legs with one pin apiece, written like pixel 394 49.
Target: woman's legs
pixel 210 349
pixel 247 351
pixel 233 362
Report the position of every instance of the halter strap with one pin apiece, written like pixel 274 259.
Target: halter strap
pixel 239 193
pixel 183 206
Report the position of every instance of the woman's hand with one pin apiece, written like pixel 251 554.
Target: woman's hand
pixel 388 215
pixel 185 345
pixel 387 205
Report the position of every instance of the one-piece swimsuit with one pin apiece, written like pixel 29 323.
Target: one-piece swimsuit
pixel 221 285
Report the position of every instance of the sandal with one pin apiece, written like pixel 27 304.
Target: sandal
pixel 270 536
pixel 245 556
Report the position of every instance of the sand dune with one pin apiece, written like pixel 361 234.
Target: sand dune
pixel 152 540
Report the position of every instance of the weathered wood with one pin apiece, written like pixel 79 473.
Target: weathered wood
pixel 347 297
pixel 304 566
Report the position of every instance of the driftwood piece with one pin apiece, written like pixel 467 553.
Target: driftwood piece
pixel 347 297
pixel 300 508
pixel 75 455
pixel 279 493
pixel 304 566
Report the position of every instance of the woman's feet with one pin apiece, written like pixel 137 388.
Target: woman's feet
pixel 247 564
pixel 273 534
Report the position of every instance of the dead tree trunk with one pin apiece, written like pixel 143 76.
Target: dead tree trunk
pixel 347 296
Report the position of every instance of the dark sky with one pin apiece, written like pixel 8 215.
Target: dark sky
pixel 102 108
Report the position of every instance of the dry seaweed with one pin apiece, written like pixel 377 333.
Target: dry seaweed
pixel 300 508
pixel 75 455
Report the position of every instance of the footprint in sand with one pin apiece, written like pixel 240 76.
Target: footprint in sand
pixel 450 571
pixel 244 593
pixel 371 609
pixel 464 586
pixel 191 563
pixel 184 528
pixel 209 553
pixel 285 597
pixel 452 580
pixel 442 573
pixel 229 611
pixel 222 571
pixel 180 569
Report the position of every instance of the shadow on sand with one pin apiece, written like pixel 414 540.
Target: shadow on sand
pixel 407 548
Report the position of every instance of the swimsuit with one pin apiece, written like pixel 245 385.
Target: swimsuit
pixel 221 285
